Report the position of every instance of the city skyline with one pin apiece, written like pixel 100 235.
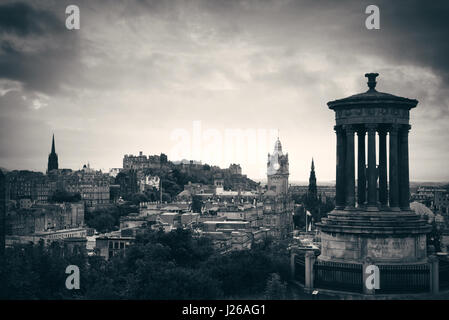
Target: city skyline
pixel 128 79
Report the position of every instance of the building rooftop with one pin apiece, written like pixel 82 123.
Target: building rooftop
pixel 372 96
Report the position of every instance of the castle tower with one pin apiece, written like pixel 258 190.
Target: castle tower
pixel 277 170
pixel 52 157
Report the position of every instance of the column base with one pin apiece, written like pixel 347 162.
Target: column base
pixel 350 208
pixel 406 208
pixel 339 207
pixel 395 209
pixel 372 208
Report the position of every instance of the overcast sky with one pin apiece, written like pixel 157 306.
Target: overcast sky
pixel 181 77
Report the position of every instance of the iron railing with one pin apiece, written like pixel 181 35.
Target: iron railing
pixel 404 278
pixel 338 276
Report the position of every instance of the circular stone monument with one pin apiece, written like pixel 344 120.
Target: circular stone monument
pixel 373 220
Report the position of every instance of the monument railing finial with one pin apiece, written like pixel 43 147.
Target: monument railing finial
pixel 371 80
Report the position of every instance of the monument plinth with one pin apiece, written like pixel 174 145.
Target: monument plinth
pixel 373 221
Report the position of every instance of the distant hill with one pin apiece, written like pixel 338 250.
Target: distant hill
pixel 176 175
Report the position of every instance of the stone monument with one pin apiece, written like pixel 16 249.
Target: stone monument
pixel 374 220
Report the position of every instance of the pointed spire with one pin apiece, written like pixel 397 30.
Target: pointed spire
pixel 52 157
pixel 312 194
pixel 278 146
pixel 53 144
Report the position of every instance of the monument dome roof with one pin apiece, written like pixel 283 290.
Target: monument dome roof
pixel 372 96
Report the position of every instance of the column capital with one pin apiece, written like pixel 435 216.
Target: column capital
pixel 338 129
pixel 361 132
pixel 404 129
pixel 349 128
pixel 382 131
pixel 394 129
pixel 371 127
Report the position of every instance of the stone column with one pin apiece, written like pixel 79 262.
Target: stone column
pixel 383 189
pixel 340 199
pixel 292 264
pixel 350 169
pixel 404 182
pixel 394 174
pixel 361 165
pixel 372 178
pixel 434 274
pixel 310 260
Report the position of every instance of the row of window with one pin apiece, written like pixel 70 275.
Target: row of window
pixel 117 245
pixel 66 235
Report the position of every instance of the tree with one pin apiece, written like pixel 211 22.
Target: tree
pixel 196 204
pixel 158 265
pixel 106 220
pixel 163 159
pixel 275 289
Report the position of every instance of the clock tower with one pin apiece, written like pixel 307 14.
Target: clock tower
pixel 277 170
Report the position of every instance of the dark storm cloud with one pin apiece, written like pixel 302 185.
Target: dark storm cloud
pixel 170 62
pixel 412 31
pixel 41 71
pixel 23 19
pixel 415 32
pixel 37 50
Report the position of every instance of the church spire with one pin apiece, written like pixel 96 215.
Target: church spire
pixel 53 144
pixel 312 182
pixel 52 157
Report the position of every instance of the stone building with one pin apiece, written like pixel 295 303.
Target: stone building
pixel 109 246
pixel 92 185
pixel 31 185
pixel 441 202
pixel 141 162
pixel 278 206
pixel 235 169
pixel 277 170
pixel 45 218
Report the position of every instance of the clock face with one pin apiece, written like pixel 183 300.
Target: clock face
pixel 276 166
